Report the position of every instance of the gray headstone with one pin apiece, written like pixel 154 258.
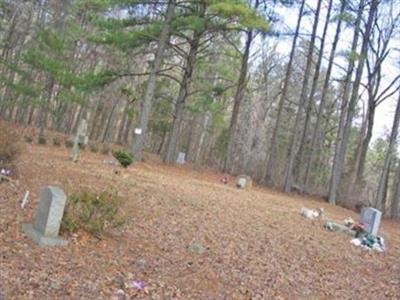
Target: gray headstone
pixel 371 218
pixel 181 158
pixel 46 225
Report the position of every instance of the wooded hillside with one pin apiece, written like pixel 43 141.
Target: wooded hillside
pixel 287 92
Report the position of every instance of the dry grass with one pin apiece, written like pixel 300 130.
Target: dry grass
pixel 257 244
pixel 10 145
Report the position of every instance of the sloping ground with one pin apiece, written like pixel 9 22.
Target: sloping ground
pixel 257 244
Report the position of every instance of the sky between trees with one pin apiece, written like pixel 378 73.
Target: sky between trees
pixel 385 113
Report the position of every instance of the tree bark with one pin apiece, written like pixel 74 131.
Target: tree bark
pixel 303 141
pixel 347 107
pixel 395 205
pixel 139 139
pixel 322 104
pixel 232 157
pixel 380 195
pixel 361 157
pixel 170 153
pixel 379 41
pixel 293 145
pixel 273 145
pixel 108 122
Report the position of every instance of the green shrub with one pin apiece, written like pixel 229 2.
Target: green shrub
pixel 95 213
pixel 28 139
pixel 56 142
pixel 69 143
pixel 42 140
pixel 124 158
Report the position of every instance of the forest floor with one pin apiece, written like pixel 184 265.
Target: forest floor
pixel 256 244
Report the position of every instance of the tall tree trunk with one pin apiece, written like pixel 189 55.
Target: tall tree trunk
pixel 344 134
pixel 273 145
pixel 380 195
pixel 123 123
pixel 357 153
pixel 203 134
pixel 232 157
pixel 169 155
pixel 108 122
pixel 293 146
pixel 321 109
pixel 395 205
pixel 44 110
pixel 379 41
pixel 13 47
pixel 303 141
pixel 362 155
pixel 346 111
pixel 147 103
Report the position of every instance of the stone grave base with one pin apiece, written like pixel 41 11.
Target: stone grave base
pixel 40 238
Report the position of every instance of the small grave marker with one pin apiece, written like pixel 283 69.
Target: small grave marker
pixel 371 218
pixel 181 158
pixel 45 227
pixel 244 181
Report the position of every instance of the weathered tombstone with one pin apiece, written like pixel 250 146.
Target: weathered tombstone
pixel 244 181
pixel 241 183
pixel 81 138
pixel 45 227
pixel 371 218
pixel 181 158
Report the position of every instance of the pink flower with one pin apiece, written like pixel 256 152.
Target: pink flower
pixel 137 284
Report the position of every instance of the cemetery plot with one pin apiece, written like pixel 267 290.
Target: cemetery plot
pixel 45 228
pixel 190 237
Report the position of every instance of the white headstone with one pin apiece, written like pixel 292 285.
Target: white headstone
pixel 244 181
pixel 241 183
pixel 371 218
pixel 46 225
pixel 181 158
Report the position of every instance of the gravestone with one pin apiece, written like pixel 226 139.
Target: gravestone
pixel 241 183
pixel 181 158
pixel 81 138
pixel 371 218
pixel 244 181
pixel 45 227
